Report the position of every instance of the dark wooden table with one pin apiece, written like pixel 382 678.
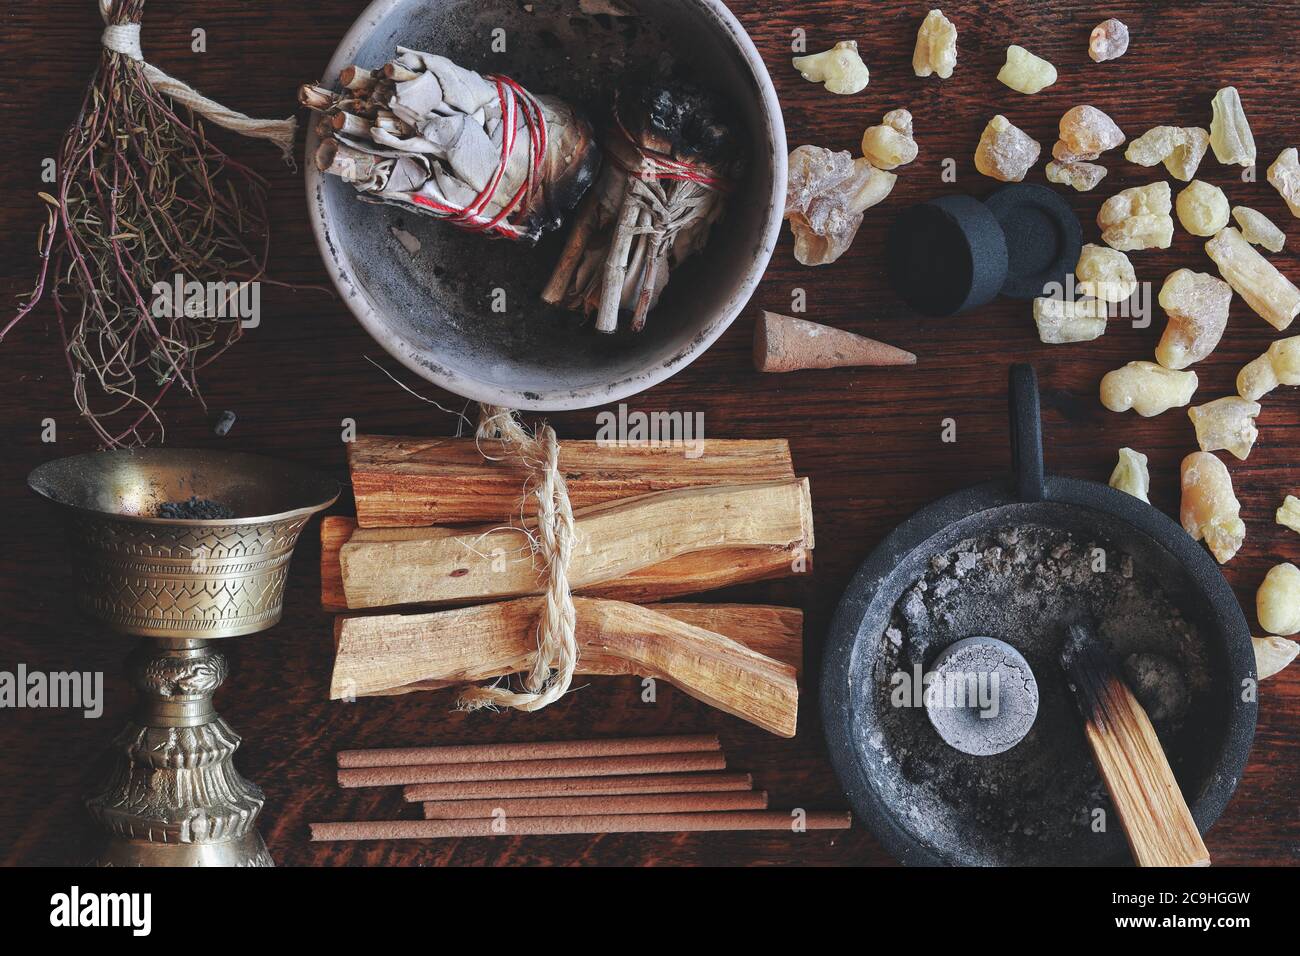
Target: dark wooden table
pixel 870 440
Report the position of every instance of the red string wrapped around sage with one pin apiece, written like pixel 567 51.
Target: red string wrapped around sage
pixel 670 162
pixel 480 152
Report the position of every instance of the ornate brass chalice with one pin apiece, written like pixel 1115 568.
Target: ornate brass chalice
pixel 180 548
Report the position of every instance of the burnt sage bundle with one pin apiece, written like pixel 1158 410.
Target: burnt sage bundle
pixel 143 205
pixel 479 151
pixel 672 159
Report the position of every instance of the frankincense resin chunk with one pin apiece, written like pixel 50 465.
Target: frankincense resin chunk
pixel 1004 151
pixel 825 198
pixel 936 46
pixel 1288 516
pixel 891 144
pixel 1147 388
pixel 1131 475
pixel 1284 174
pixel 1226 424
pixel 1138 218
pixel 1179 148
pixel 1026 73
pixel 1197 304
pixel 1105 274
pixel 1273 654
pixel 1271 294
pixel 1202 208
pixel 1277 602
pixel 1280 365
pixel 840 69
pixel 1230 135
pixel 1109 41
pixel 1258 229
pixel 1061 321
pixel 1210 511
pixel 1080 176
pixel 1086 133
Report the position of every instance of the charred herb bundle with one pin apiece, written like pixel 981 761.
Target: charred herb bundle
pixel 479 151
pixel 143 200
pixel 671 159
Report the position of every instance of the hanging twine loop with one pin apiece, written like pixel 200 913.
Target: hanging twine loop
pixel 557 642
pixel 124 38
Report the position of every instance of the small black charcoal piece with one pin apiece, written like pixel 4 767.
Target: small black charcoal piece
pixel 947 255
pixel 1043 238
pixel 196 509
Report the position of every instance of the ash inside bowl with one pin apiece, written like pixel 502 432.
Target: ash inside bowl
pixel 1042 801
pixel 196 508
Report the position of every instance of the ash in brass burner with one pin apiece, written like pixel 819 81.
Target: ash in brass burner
pixel 173 796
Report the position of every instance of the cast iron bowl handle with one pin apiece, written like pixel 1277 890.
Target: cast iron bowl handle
pixel 1026 434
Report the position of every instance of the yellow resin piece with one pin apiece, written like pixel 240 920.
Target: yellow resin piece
pixel 1258 229
pixel 1284 174
pixel 1280 365
pixel 1288 516
pixel 1147 388
pixel 1230 135
pixel 1086 132
pixel 1273 654
pixel 1277 602
pixel 936 46
pixel 840 69
pixel 1108 40
pixel 1138 218
pixel 1197 304
pixel 1272 295
pixel 1105 274
pixel 1005 152
pixel 1026 73
pixel 1061 321
pixel 1131 476
pixel 1180 148
pixel 1210 510
pixel 890 145
pixel 1202 208
pixel 1226 424
pixel 1080 176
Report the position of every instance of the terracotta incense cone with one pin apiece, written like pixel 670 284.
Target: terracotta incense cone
pixel 786 344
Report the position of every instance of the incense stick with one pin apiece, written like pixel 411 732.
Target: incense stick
pixel 579 786
pixel 545 750
pixel 600 804
pixel 531 769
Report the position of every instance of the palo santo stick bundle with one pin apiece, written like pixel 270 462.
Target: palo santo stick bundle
pixel 606 823
pixel 614 540
pixel 531 769
pixel 544 750
pixel 417 482
pixel 577 786
pixel 390 654
pixel 594 805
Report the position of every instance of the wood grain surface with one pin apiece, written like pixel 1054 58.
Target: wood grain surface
pixel 869 439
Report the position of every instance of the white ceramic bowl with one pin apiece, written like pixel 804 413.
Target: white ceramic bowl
pixel 433 309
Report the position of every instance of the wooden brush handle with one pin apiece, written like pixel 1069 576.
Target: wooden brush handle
pixel 1155 817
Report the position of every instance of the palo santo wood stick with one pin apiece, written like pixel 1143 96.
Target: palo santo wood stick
pixel 399 482
pixel 391 652
pixel 602 804
pixel 687 574
pixel 531 769
pixel 1156 820
pixel 603 823
pixel 613 540
pixel 542 750
pixel 577 786
pixel 786 344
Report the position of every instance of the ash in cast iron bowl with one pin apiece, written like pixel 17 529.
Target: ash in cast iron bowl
pixel 432 309
pixel 1019 562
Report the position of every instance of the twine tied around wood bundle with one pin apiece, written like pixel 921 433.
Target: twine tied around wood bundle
pixel 124 38
pixel 557 644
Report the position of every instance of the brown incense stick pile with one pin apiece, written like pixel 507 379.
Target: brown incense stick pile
pixel 621 785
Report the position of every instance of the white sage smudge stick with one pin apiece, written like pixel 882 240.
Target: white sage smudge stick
pixel 479 151
pixel 660 193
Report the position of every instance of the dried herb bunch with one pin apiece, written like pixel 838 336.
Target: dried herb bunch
pixel 142 198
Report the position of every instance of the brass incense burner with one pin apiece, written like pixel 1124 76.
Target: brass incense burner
pixel 173 796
